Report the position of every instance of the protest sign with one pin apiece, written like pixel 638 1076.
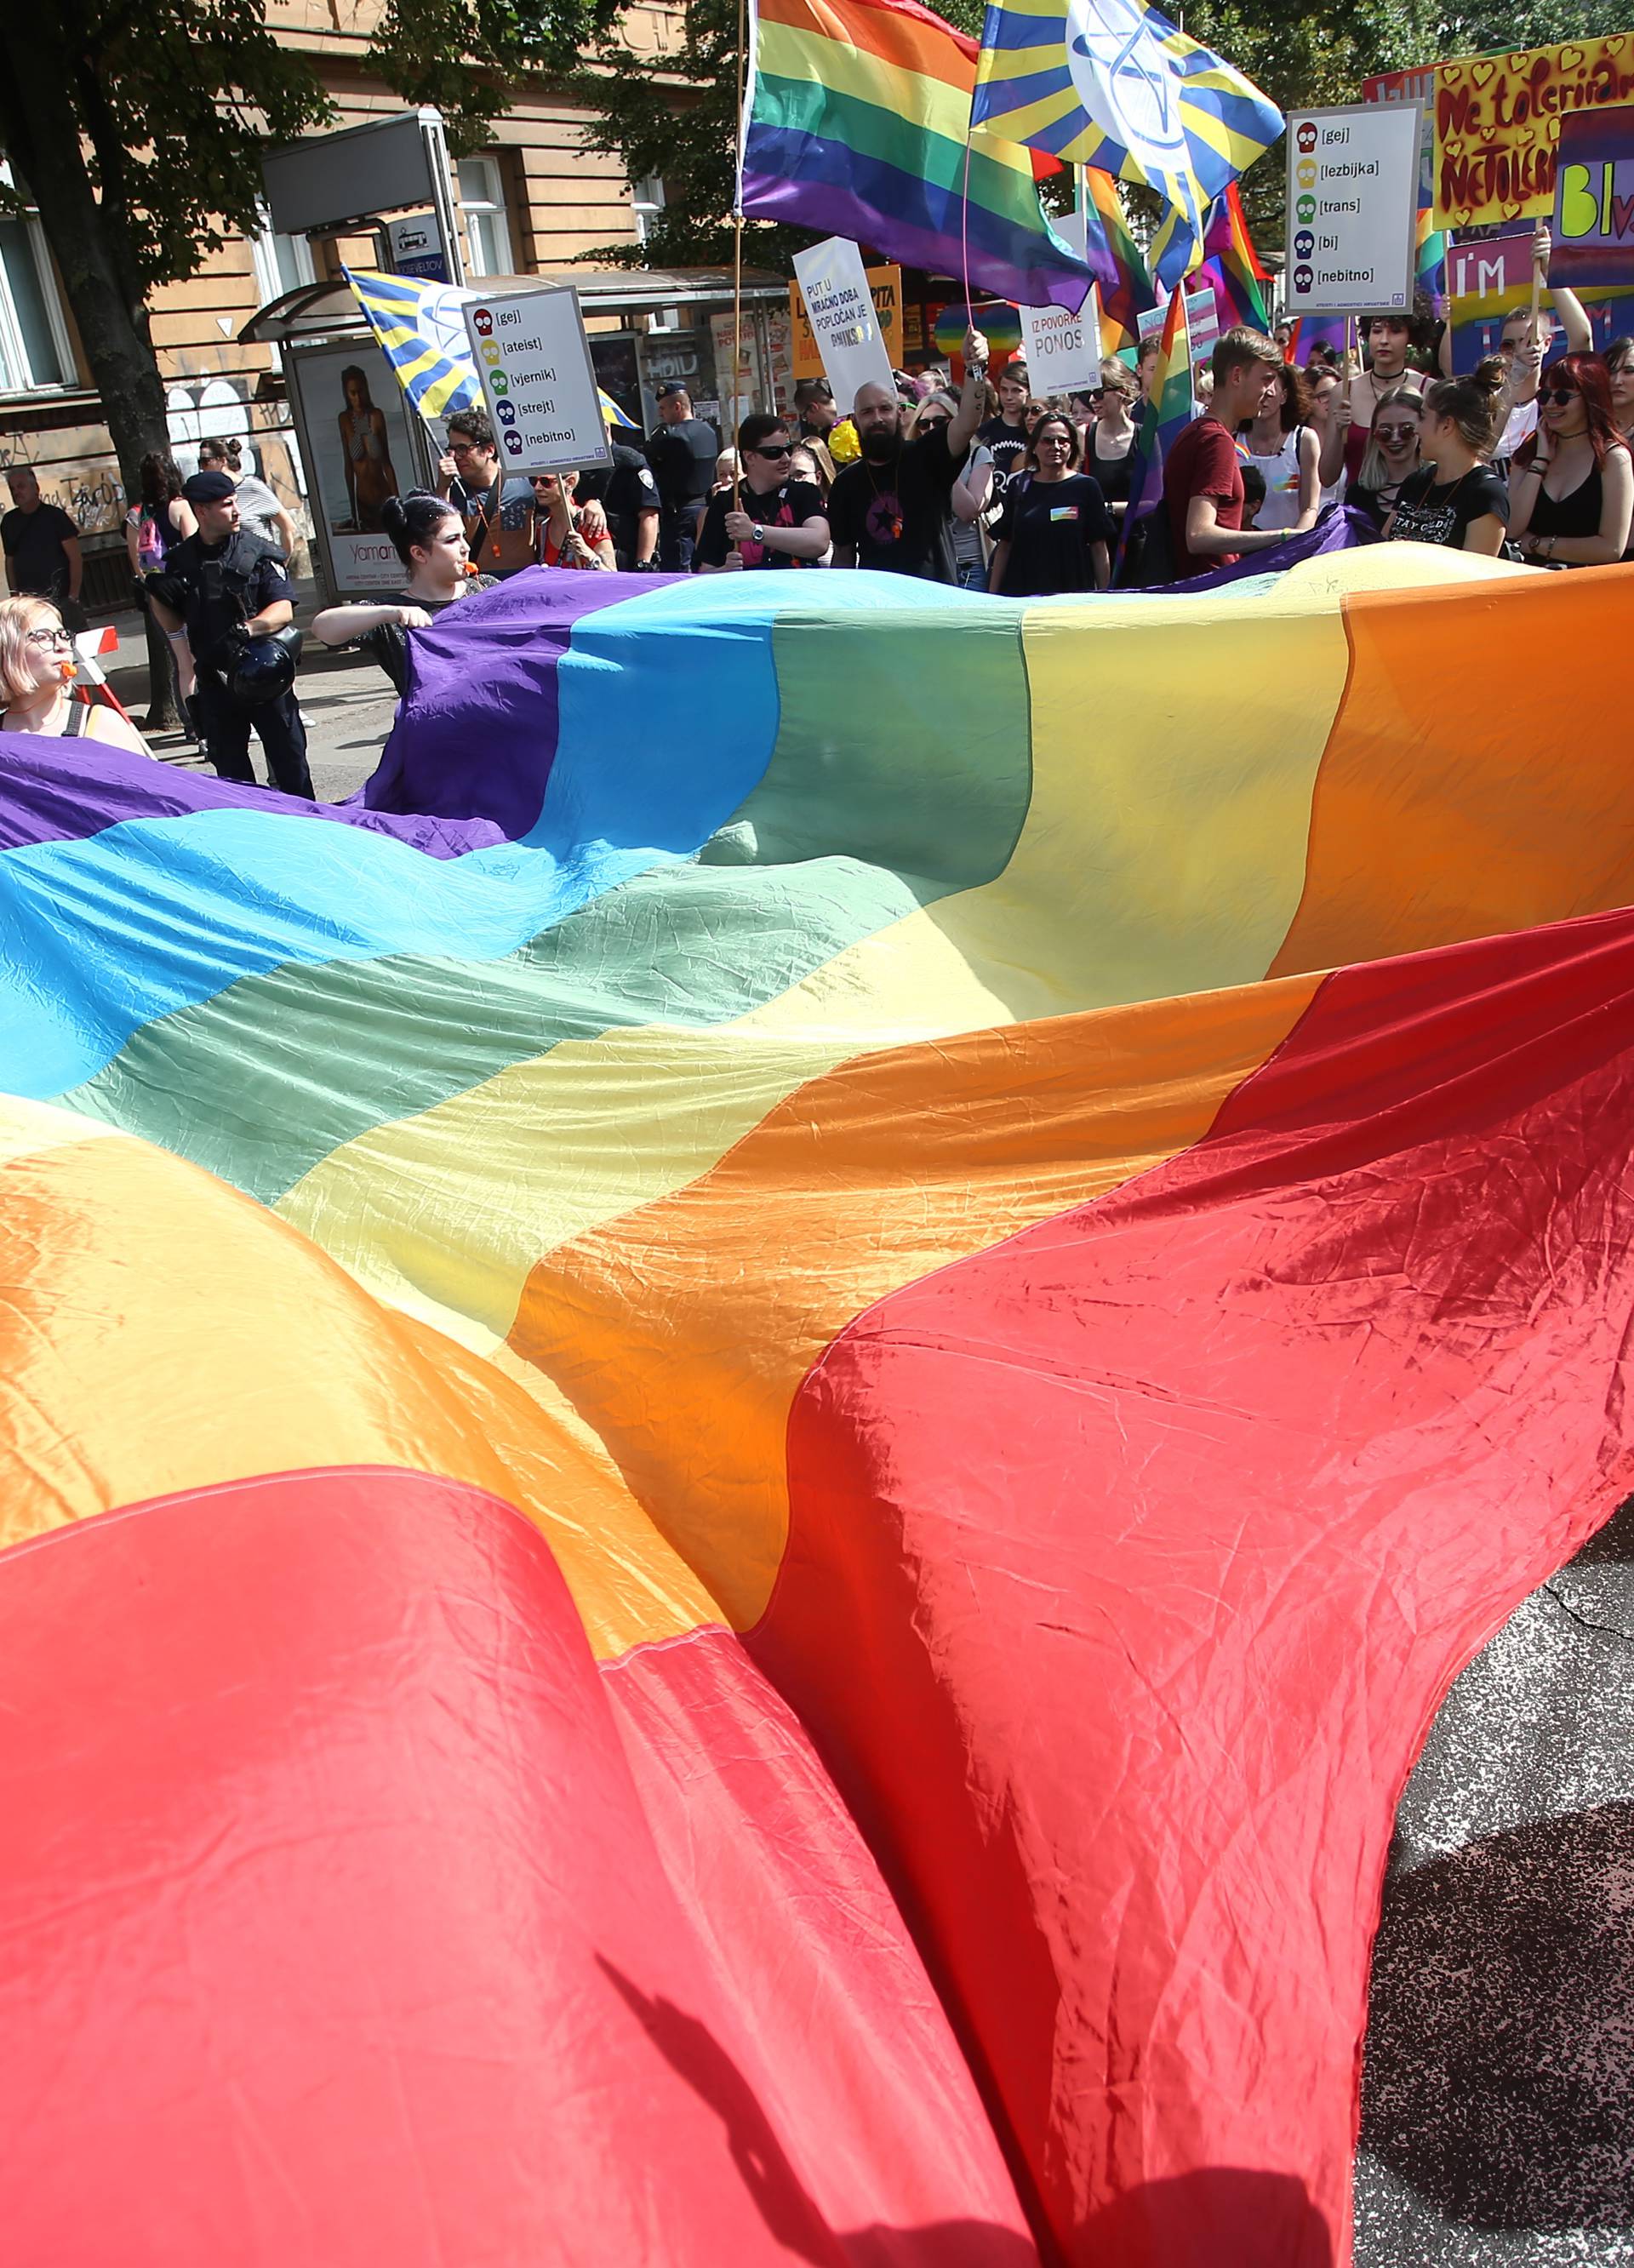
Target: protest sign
pixel 538 381
pixel 1497 123
pixel 1593 237
pixel 839 306
pixel 1203 323
pixel 1353 209
pixel 1062 351
pixel 1491 280
pixel 885 287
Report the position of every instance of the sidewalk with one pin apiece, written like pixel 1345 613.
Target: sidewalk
pixel 347 703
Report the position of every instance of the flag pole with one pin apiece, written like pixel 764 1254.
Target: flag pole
pixel 737 250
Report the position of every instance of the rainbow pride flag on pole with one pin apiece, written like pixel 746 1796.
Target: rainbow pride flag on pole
pixel 1232 268
pixel 1168 412
pixel 1110 244
pixel 856 124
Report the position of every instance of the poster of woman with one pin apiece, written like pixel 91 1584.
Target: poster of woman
pixel 365 453
pixel 357 428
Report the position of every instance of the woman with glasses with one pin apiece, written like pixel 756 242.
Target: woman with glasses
pixel 768 519
pixel 1391 457
pixel 567 535
pixel 36 681
pixel 1056 533
pixel 1573 498
pixel 1457 500
pixel 1110 436
pixel 972 492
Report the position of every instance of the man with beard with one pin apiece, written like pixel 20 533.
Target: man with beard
pixel 893 509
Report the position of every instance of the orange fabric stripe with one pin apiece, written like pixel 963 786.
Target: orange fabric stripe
pixel 1422 835
pixel 681 1332
pixel 899 40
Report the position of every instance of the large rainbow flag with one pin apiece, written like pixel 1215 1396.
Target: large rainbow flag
pixel 745 1437
pixel 858 123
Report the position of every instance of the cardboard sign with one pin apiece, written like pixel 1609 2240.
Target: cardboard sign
pixel 1498 121
pixel 1353 209
pixel 1491 280
pixel 1593 242
pixel 840 308
pixel 1062 351
pixel 885 285
pixel 538 381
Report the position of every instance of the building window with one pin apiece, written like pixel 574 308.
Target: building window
pixel 646 198
pixel 281 262
pixel 482 202
pixel 35 356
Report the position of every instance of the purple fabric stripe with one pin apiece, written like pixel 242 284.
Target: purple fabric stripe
pixel 476 731
pixel 64 790
pixel 1339 529
pixel 832 209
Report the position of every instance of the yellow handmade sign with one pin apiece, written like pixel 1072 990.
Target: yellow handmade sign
pixel 1498 123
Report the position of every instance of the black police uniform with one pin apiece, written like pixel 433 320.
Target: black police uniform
pixel 625 489
pixel 220 589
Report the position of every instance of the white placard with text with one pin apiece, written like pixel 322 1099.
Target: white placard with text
pixel 537 380
pixel 1353 209
pixel 1062 351
pixel 839 306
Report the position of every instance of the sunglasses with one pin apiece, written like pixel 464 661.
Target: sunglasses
pixel 1558 395
pixel 1036 409
pixel 929 425
pixel 1394 432
pixel 776 455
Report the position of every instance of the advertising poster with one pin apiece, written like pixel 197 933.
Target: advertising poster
pixel 840 309
pixel 1353 209
pixel 1498 121
pixel 538 381
pixel 357 424
pixel 1594 234
pixel 886 286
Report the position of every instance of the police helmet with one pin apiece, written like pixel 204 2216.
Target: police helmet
pixel 264 668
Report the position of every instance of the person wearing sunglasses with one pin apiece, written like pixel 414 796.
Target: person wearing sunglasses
pixel 36 681
pixel 1391 456
pixel 1056 533
pixel 768 519
pixel 1573 498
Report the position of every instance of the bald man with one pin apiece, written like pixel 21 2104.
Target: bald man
pixel 892 510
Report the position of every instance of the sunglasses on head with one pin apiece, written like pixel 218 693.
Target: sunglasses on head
pixel 778 449
pixel 1558 395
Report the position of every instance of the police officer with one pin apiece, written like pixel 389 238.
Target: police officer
pixel 222 587
pixel 629 495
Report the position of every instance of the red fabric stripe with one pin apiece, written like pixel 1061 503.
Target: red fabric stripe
pixel 334 1926
pixel 1157 1533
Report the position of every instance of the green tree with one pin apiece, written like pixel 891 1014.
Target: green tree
pixel 138 131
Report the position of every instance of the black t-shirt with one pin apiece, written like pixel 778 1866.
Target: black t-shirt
pixel 682 457
pixel 388 644
pixel 625 489
pixel 1114 475
pixel 1049 527
pixel 792 505
pixel 1429 510
pixel 225 584
pixel 32 543
pixel 897 514
pixel 1008 445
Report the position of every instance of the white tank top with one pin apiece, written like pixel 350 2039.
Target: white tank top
pixel 1281 472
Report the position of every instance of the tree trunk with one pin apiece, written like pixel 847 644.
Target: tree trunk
pixel 163 715
pixel 91 240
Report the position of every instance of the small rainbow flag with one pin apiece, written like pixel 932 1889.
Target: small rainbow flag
pixel 1168 412
pixel 1111 248
pixel 1231 267
pixel 856 124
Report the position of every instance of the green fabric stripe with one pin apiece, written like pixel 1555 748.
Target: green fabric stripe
pixel 265 1079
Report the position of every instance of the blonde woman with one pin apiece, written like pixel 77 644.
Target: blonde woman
pixel 36 678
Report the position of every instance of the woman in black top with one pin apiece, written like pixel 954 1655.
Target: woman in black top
pixel 1056 528
pixel 429 537
pixel 1109 438
pixel 1573 494
pixel 1391 457
pixel 1457 500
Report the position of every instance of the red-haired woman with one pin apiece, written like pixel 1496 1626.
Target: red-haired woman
pixel 1573 500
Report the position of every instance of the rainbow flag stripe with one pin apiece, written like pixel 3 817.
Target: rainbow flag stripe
pixel 742 1438
pixel 1232 268
pixel 857 125
pixel 1130 293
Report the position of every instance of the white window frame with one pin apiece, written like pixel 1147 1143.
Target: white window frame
pixel 489 207
pixel 646 203
pixel 13 355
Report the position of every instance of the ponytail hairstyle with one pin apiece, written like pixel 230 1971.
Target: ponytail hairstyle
pixel 1470 404
pixel 414 519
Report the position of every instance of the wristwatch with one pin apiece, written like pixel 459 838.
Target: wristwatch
pixel 759 533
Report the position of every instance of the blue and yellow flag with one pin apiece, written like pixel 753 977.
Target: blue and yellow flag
pixel 1112 84
pixel 420 329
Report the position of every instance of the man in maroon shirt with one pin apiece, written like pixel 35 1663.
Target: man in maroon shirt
pixel 1203 476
